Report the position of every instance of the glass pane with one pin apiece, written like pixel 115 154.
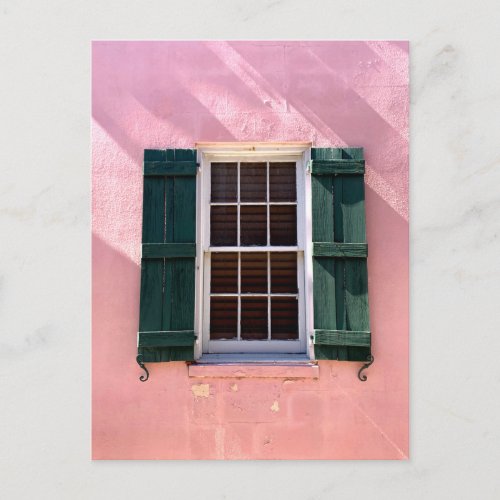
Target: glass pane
pixel 253 225
pixel 284 318
pixel 282 182
pixel 224 180
pixel 283 272
pixel 253 182
pixel 283 225
pixel 254 272
pixel 223 228
pixel 253 318
pixel 224 273
pixel 223 318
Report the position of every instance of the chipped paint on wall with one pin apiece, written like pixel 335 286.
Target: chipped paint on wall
pixel 201 390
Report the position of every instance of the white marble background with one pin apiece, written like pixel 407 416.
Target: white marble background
pixel 45 249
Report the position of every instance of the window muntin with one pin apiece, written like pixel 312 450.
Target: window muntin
pixel 254 276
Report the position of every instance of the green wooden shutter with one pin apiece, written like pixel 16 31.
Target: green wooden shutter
pixel 166 322
pixel 340 277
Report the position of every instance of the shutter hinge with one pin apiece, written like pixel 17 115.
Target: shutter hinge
pixel 309 166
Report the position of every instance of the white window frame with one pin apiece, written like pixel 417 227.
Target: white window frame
pixel 298 152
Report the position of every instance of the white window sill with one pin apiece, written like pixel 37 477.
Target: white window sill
pixel 290 366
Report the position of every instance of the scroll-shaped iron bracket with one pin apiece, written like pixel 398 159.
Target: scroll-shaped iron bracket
pixel 370 359
pixel 140 362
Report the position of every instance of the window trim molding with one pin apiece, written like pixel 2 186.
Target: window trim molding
pixel 299 152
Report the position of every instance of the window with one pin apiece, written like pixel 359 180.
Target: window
pixel 254 248
pixel 254 233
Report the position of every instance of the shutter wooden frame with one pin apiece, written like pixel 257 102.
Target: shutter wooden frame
pixel 340 275
pixel 166 318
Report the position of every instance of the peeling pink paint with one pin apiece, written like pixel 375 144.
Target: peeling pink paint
pixel 172 94
pixel 200 390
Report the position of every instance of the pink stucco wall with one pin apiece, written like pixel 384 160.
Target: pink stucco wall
pixel 172 94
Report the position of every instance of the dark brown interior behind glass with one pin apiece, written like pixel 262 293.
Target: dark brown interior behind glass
pixel 224 182
pixel 282 182
pixel 223 318
pixel 284 318
pixel 253 225
pixel 253 182
pixel 283 222
pixel 253 318
pixel 223 226
pixel 283 272
pixel 224 272
pixel 253 232
pixel 254 272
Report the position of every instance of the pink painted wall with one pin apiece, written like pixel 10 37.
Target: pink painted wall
pixel 172 94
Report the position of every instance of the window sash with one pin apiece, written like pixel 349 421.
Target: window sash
pixel 238 200
pixel 264 345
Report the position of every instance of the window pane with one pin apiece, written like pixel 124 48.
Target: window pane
pixel 283 225
pixel 283 272
pixel 282 182
pixel 224 180
pixel 253 318
pixel 224 273
pixel 223 318
pixel 253 181
pixel 254 272
pixel 223 228
pixel 253 225
pixel 284 318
